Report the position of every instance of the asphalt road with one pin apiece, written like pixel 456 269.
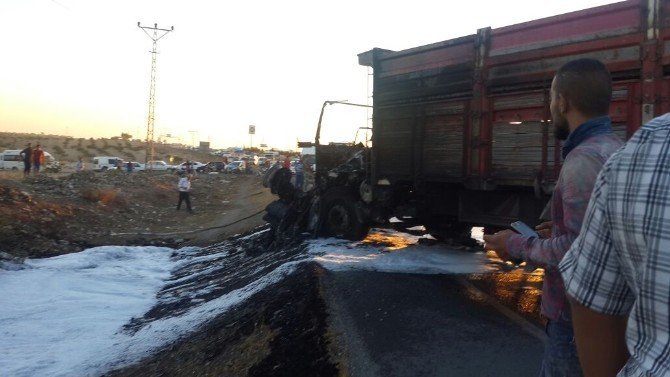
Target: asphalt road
pixel 388 324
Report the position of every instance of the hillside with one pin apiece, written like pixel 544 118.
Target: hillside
pixel 58 213
pixel 67 149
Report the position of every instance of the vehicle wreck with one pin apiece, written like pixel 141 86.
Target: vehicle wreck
pixel 461 129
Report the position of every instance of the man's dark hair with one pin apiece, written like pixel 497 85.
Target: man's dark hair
pixel 587 85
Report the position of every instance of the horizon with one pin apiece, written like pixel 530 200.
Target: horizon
pixel 82 68
pixel 42 138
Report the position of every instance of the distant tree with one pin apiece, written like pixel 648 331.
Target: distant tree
pixel 126 136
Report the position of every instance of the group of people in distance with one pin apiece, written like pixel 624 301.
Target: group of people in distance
pixel 33 158
pixel 606 252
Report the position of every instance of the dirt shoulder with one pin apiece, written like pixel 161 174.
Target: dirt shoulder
pixel 279 331
pixel 55 214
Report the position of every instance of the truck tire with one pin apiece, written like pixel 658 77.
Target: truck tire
pixel 340 218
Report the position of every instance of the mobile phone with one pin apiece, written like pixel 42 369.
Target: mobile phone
pixel 524 229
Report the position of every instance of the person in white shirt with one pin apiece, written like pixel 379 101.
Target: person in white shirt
pixel 184 187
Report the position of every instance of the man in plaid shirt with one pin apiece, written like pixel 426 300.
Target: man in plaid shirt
pixel 617 272
pixel 580 98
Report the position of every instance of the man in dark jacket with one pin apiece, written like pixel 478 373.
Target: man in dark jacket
pixel 27 155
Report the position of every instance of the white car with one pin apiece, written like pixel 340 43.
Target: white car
pixel 195 165
pixel 159 166
pixel 11 160
pixel 104 163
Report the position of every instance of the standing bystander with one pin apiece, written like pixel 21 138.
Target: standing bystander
pixel 80 165
pixel 27 155
pixel 617 272
pixel 184 187
pixel 580 97
pixel 38 159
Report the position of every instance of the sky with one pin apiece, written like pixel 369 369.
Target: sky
pixel 81 68
pixel 65 315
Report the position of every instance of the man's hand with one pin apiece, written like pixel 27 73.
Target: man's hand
pixel 498 243
pixel 544 229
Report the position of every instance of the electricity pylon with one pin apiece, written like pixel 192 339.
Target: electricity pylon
pixel 152 87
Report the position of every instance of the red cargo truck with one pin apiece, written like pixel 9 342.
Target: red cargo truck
pixel 462 133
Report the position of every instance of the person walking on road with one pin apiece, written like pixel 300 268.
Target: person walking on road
pixel 27 155
pixel 580 97
pixel 38 159
pixel 184 187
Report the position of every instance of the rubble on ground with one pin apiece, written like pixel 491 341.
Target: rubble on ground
pixel 53 214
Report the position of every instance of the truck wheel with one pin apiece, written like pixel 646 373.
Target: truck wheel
pixel 104 168
pixel 339 217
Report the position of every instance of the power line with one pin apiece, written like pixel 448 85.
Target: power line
pixel 149 156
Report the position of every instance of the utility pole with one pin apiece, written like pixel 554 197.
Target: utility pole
pixel 152 86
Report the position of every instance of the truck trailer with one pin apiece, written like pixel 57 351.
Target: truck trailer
pixel 461 129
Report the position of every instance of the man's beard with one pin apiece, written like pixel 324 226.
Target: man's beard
pixel 561 128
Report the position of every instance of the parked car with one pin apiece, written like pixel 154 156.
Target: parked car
pixel 104 163
pixel 236 167
pixel 212 166
pixel 159 166
pixel 195 165
pixel 137 166
pixel 11 160
pixel 248 160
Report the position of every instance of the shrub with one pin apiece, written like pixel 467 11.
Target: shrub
pixel 96 195
pixel 58 151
